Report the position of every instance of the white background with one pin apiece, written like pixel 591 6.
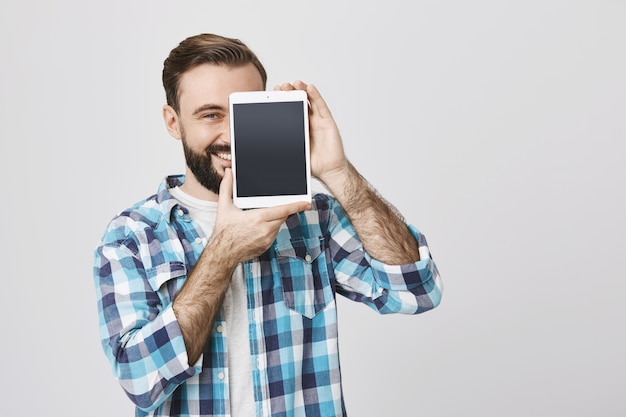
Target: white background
pixel 497 127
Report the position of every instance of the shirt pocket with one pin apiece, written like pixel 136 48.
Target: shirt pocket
pixel 166 280
pixel 305 275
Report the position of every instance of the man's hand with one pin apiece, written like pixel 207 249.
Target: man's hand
pixel 328 160
pixel 245 234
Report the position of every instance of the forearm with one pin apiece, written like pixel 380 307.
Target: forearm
pixel 140 336
pixel 197 304
pixel 381 229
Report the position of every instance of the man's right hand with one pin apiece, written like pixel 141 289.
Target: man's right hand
pixel 245 234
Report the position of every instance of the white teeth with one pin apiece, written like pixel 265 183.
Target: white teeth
pixel 226 156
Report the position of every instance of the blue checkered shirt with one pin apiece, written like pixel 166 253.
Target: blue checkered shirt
pixel 144 258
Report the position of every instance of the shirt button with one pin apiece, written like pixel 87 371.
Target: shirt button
pixel 220 375
pixel 219 329
pixel 308 258
pixel 198 240
pixel 181 213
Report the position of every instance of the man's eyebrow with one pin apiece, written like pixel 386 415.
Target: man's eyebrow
pixel 208 106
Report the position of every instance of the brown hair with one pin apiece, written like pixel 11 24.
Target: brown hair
pixel 205 48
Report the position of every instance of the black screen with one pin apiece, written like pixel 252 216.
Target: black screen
pixel 269 149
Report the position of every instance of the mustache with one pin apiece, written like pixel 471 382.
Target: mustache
pixel 217 148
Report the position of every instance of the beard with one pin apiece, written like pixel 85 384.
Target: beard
pixel 201 165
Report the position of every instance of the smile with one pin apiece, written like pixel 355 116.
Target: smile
pixel 225 156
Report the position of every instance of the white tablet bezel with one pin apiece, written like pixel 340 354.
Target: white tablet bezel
pixel 244 97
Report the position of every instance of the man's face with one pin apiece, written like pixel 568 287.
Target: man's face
pixel 203 121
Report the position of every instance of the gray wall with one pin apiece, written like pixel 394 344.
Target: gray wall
pixel 497 128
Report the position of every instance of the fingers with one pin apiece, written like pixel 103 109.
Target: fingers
pixel 318 104
pixel 285 87
pixel 301 85
pixel 296 85
pixel 226 188
pixel 283 211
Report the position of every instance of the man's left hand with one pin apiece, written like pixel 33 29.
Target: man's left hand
pixel 328 160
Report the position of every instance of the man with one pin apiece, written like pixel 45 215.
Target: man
pixel 208 310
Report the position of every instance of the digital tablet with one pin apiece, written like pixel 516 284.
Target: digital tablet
pixel 269 134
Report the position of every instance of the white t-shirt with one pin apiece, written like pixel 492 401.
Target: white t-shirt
pixel 235 315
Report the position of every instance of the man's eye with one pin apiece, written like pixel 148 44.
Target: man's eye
pixel 211 116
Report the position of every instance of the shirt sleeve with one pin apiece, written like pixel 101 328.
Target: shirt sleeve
pixel 407 289
pixel 141 339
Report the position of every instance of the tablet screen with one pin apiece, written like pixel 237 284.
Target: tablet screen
pixel 270 149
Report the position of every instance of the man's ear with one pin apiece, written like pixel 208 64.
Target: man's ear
pixel 170 117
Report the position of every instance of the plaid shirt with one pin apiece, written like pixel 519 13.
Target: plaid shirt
pixel 143 260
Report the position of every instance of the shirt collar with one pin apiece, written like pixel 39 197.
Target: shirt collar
pixel 166 200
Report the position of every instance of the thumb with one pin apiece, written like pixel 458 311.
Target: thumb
pixel 226 188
